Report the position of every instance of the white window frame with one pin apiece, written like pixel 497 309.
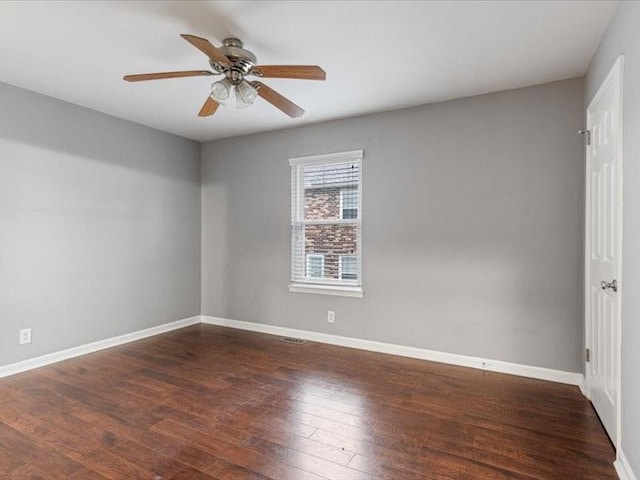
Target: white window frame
pixel 342 192
pixel 340 259
pixel 308 257
pixel 314 285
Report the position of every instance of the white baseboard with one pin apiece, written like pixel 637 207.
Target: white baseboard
pixel 623 467
pixel 50 358
pixel 412 352
pixel 559 376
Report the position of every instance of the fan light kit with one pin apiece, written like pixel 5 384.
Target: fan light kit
pixel 235 62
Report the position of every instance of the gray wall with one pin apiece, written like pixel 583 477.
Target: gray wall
pixel 472 227
pixel 99 225
pixel 623 37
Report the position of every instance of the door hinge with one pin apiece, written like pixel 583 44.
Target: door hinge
pixel 587 355
pixel 587 134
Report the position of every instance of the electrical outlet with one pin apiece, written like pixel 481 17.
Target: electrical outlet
pixel 25 336
pixel 331 316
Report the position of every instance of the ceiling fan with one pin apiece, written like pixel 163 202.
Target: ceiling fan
pixel 235 63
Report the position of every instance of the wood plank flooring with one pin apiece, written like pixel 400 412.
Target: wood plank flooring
pixel 214 403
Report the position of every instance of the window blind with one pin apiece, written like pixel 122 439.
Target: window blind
pixel 326 219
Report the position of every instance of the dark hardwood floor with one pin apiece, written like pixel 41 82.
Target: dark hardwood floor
pixel 213 403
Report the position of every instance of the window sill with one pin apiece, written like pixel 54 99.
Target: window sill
pixel 327 290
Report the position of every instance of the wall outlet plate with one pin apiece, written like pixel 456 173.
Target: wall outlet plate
pixel 331 316
pixel 25 336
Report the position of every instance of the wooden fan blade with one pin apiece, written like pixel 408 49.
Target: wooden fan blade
pixel 277 100
pixel 158 76
pixel 209 108
pixel 301 72
pixel 207 48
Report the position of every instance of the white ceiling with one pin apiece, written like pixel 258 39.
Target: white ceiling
pixel 378 55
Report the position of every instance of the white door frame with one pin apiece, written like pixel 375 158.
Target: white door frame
pixel 614 76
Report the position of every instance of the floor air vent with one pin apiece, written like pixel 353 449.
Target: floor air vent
pixel 293 341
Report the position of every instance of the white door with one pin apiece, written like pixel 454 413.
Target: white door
pixel 603 248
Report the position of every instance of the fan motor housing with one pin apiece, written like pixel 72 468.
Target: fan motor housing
pixel 242 60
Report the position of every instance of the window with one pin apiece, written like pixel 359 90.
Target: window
pixel 315 265
pixel 348 267
pixel 348 203
pixel 326 224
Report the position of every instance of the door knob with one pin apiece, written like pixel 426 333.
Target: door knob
pixel 613 285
